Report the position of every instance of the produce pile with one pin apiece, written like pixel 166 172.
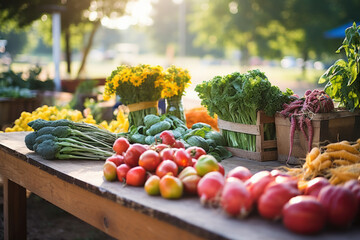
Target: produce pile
pixel 301 110
pixel 200 134
pixel 339 162
pixel 237 98
pixel 64 139
pixel 171 171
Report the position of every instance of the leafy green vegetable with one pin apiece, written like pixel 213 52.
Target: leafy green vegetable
pixel 343 77
pixel 237 98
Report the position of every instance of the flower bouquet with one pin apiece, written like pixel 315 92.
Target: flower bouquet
pixel 175 81
pixel 139 87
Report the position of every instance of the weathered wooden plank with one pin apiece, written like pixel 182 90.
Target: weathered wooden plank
pixel 238 127
pixel 78 187
pixel 14 210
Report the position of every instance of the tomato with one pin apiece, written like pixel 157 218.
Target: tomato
pixel 221 169
pixel 195 152
pixel 133 153
pixel 205 164
pixel 179 144
pixel 188 171
pixel 121 145
pixel 171 187
pixel 190 183
pixel 149 160
pixel 166 167
pixel 240 172
pixel 136 176
pixel 167 154
pixel 159 147
pixel 109 171
pixel 167 137
pixel 152 185
pixel 182 158
pixel 121 172
pixel 117 159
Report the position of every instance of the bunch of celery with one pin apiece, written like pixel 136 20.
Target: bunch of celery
pixel 237 98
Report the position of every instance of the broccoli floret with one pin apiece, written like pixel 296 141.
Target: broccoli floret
pixel 45 130
pixel 42 138
pixel 30 140
pixel 62 131
pixel 38 124
pixel 48 149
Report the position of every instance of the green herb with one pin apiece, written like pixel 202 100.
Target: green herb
pixel 343 77
pixel 237 98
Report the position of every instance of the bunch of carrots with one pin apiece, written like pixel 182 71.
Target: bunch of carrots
pixel 339 162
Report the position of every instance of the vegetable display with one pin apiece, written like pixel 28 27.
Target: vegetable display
pixel 300 112
pixel 275 194
pixel 343 77
pixel 200 134
pixel 339 162
pixel 64 139
pixel 237 98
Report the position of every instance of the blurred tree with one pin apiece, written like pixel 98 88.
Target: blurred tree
pixel 271 28
pixel 73 13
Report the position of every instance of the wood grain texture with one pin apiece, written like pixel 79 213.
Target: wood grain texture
pixel 14 210
pixel 128 212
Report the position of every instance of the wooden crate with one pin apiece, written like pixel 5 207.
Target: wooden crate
pixel 265 149
pixel 11 109
pixel 327 127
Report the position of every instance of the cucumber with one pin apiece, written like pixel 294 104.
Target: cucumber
pixel 198 141
pixel 158 128
pixel 200 125
pixel 150 120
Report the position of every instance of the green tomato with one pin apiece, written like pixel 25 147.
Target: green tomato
pixel 152 185
pixel 206 164
pixel 171 187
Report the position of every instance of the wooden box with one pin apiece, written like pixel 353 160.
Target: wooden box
pixel 11 109
pixel 327 127
pixel 265 149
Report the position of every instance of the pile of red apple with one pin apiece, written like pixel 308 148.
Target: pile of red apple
pixel 170 170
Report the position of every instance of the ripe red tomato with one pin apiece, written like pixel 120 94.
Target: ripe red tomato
pixel 149 160
pixel 167 154
pixel 195 152
pixel 182 158
pixel 136 176
pixel 133 153
pixel 159 147
pixel 117 159
pixel 121 172
pixel 166 167
pixel 179 144
pixel 167 137
pixel 121 145
pixel 221 169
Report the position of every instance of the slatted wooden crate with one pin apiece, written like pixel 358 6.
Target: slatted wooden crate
pixel 11 109
pixel 327 127
pixel 265 149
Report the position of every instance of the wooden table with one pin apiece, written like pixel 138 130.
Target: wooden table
pixel 123 212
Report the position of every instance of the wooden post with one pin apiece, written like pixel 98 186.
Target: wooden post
pixel 14 211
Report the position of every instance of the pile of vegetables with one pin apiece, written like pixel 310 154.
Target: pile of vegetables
pixel 64 139
pixel 343 77
pixel 200 134
pixel 172 172
pixel 301 111
pixel 339 162
pixel 162 169
pixel 237 98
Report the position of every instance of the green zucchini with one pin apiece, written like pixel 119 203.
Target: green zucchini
pixel 200 125
pixel 198 141
pixel 158 128
pixel 150 120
